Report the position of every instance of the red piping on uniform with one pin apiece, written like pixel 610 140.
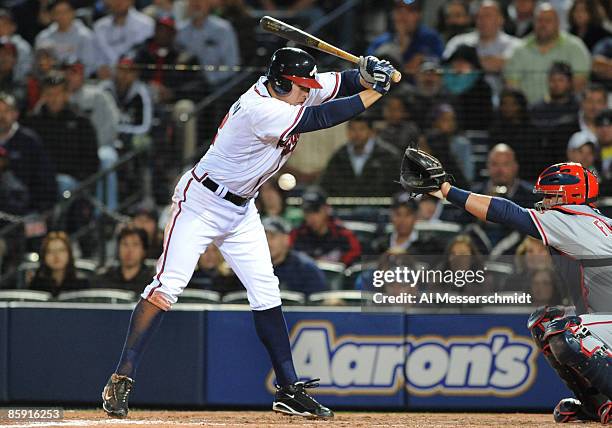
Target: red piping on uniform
pixel 335 91
pixel 568 211
pixel 598 322
pixel 180 207
pixel 297 118
pixel 539 226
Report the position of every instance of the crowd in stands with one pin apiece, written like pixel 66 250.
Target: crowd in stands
pixel 497 90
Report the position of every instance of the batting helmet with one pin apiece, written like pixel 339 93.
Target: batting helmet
pixel 570 182
pixel 292 65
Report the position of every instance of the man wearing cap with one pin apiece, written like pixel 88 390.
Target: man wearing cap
pixel 584 151
pixel 363 166
pixel 410 41
pixel 70 37
pixel 27 157
pixel 427 92
pixel 294 269
pixel 594 100
pixel 321 235
pixel 556 117
pixel 118 32
pixel 209 38
pixel 527 67
pixel 8 33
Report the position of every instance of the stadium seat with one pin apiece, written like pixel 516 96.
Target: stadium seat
pixel 289 298
pixel 499 272
pixel 24 296
pixel 199 296
pixel 355 271
pixel 98 295
pixel 334 273
pixel 365 231
pixel 347 297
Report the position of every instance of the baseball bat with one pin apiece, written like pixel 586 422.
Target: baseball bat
pixel 289 32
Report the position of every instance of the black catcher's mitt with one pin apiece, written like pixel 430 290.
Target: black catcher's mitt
pixel 421 172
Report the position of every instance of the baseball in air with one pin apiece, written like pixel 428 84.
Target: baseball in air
pixel 286 182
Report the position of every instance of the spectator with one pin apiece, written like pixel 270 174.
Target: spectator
pixel 462 254
pixel 24 50
pixel 543 285
pixel 448 144
pixel 212 40
pixel 213 273
pixel 594 100
pixel 603 121
pixel 398 131
pixel 429 209
pixel 454 18
pixel 427 93
pixel 530 62
pixel 164 80
pixel 27 157
pixel 69 36
pixel 118 32
pixel 8 83
pixel 586 19
pixel 14 196
pixel 45 61
pixel 238 15
pixel 363 166
pixel 602 63
pixel 583 151
pixel 147 220
pixel 69 138
pixel 131 272
pixel 492 238
pixel 531 255
pixel 492 44
pixel 410 42
pixel 57 272
pixel 520 13
pixel 513 126
pixel 295 270
pixel 556 118
pixel 404 238
pixel 471 94
pixel 271 203
pixel 322 236
pixel 132 98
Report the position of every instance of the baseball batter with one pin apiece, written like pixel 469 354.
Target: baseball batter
pixel 213 203
pixel 577 342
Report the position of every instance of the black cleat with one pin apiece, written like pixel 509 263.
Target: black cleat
pixel 293 400
pixel 572 410
pixel 115 395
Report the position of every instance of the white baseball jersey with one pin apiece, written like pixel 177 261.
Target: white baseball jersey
pixel 253 141
pixel 581 238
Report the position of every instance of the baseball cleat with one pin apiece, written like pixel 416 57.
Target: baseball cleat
pixel 115 395
pixel 294 400
pixel 571 410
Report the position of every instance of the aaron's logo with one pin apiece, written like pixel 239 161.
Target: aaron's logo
pixel 497 363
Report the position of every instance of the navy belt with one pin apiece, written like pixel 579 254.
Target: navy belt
pixel 229 196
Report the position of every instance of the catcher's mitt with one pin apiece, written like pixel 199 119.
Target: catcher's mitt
pixel 421 172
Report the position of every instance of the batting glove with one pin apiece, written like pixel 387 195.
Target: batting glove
pixel 382 75
pixel 366 68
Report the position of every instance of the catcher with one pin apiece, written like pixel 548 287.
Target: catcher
pixel 577 341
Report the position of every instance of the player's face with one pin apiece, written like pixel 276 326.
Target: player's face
pixel 550 200
pixel 131 251
pixel 57 255
pixel 403 220
pixel 297 95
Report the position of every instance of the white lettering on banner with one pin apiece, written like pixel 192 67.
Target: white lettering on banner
pixel 497 363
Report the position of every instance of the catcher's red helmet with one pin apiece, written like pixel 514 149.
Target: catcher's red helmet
pixel 570 182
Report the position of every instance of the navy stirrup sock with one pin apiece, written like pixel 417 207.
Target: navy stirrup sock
pixel 145 319
pixel 272 331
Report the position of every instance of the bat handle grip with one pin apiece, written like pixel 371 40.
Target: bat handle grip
pixel 396 76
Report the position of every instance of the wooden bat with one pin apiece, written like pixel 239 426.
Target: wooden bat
pixel 289 32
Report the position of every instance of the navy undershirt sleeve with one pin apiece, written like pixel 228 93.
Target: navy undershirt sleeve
pixel 329 114
pixel 349 84
pixel 507 212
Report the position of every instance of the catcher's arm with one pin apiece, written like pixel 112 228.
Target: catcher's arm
pixel 487 208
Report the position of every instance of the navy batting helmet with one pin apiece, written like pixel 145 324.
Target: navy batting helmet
pixel 292 65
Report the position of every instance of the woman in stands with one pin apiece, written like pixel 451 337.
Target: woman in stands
pixel 57 272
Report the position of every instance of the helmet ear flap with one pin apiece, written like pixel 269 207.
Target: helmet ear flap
pixel 281 86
